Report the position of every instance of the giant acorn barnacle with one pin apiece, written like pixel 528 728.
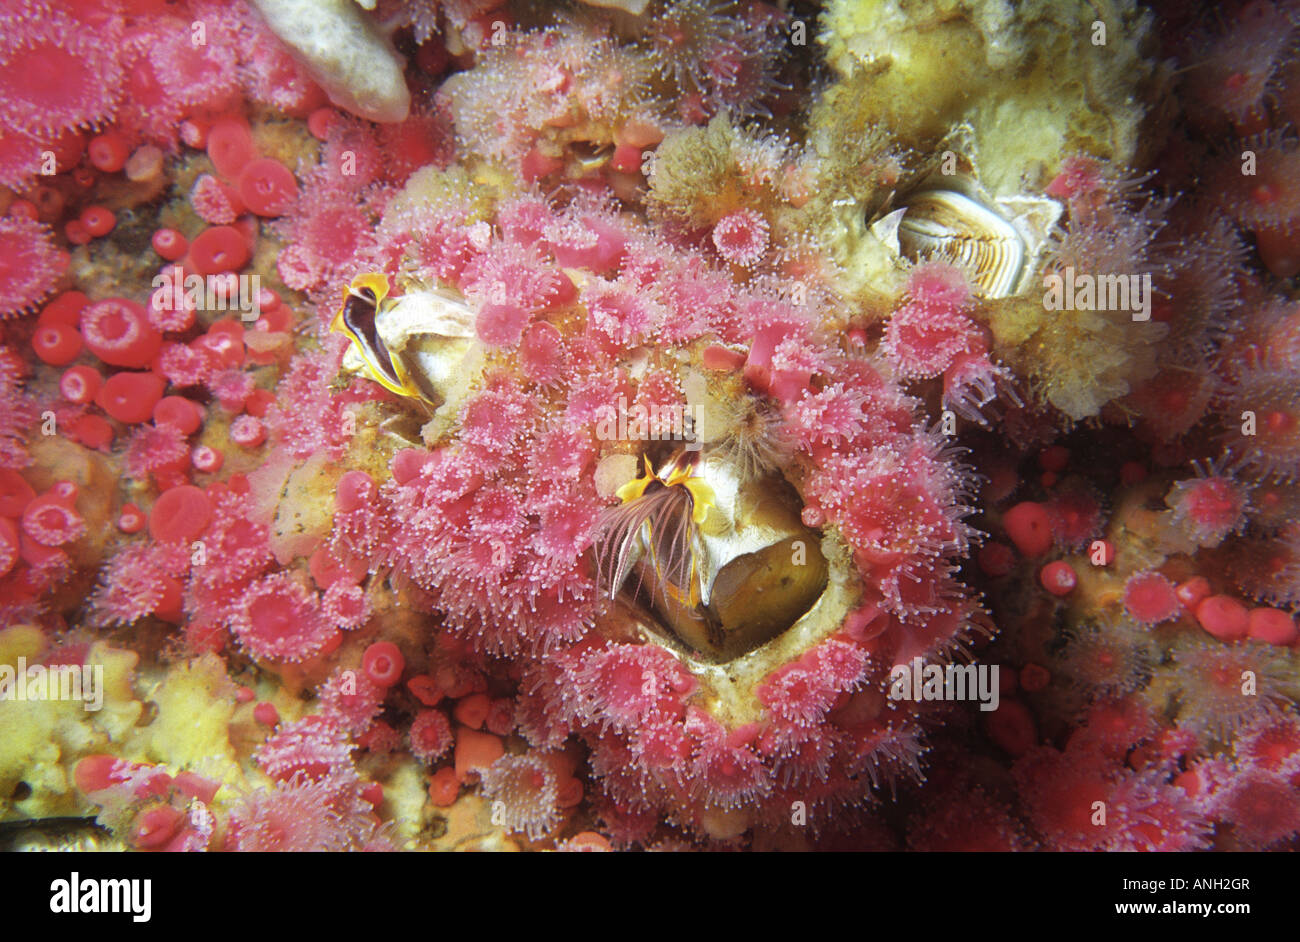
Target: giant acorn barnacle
pixel 949 216
pixel 723 560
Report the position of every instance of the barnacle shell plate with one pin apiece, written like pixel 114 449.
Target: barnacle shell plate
pixel 432 331
pixel 997 242
pixel 757 568
pixel 760 568
pixel 729 686
pixel 345 53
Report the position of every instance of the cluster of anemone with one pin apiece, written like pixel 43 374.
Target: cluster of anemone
pixel 1080 799
pixel 134 77
pixel 30 263
pixel 519 469
pixel 1243 72
pixel 1079 363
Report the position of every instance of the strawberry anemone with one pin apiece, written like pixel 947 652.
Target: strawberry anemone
pixel 523 521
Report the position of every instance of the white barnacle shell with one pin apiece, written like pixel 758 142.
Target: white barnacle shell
pixel 996 241
pixel 949 225
pixel 431 330
pixel 345 53
pixel 734 578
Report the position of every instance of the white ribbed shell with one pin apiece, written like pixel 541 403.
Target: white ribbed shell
pixel 951 226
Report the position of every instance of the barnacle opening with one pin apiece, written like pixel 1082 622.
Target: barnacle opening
pixel 416 342
pixel 947 215
pixel 716 560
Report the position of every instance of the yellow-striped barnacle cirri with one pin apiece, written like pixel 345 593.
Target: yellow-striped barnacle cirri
pixel 722 559
pixel 418 344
